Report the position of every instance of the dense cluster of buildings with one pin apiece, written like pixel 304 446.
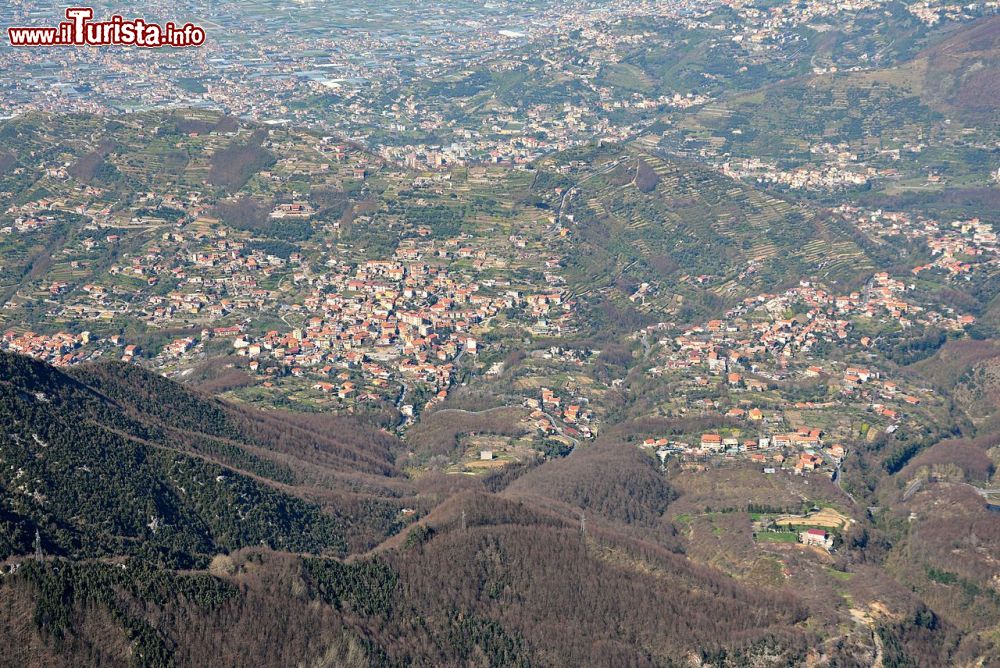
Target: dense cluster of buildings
pixel 328 318
pixel 356 64
pixel 396 321
pixel 957 247
pixel 762 370
pixel 804 177
pixel 353 73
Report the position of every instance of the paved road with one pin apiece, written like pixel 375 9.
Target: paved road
pixel 984 492
pixel 607 168
pixel 837 478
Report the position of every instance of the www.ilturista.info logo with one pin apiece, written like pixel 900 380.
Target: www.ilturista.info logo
pixel 79 30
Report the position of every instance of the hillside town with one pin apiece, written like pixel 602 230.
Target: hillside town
pixel 326 319
pixel 757 365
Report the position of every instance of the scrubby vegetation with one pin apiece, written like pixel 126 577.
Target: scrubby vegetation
pixel 616 482
pixel 251 215
pixel 7 161
pixel 236 164
pixel 93 166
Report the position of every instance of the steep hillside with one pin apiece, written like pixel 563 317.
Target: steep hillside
pixel 113 465
pixel 962 71
pixel 617 483
pixel 945 540
pixel 176 529
pixel 118 461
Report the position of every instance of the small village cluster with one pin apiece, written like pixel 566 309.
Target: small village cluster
pixel 824 177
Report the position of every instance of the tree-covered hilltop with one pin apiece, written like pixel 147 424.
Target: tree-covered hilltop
pixel 116 461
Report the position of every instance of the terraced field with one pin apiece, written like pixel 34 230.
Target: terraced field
pixel 827 518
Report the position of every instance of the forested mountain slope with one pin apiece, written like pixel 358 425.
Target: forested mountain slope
pixel 169 522
pixel 116 461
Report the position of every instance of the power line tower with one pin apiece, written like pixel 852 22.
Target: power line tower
pixel 583 525
pixel 463 520
pixel 39 555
